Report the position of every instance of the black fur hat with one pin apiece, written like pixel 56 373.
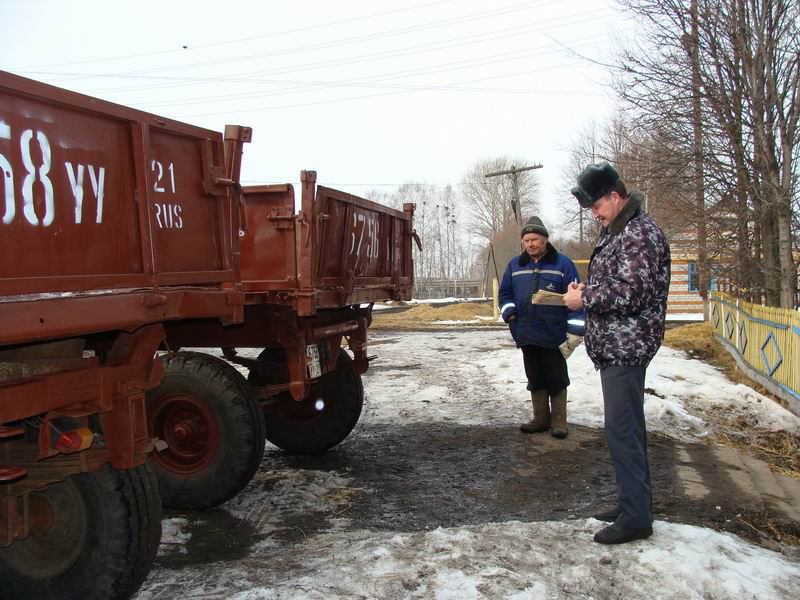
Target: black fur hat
pixel 594 182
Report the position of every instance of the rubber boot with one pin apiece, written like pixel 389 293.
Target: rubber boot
pixel 541 413
pixel 558 418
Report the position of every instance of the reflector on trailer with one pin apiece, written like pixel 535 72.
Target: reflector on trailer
pixel 74 441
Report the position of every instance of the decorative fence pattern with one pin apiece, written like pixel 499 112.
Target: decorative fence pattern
pixel 764 341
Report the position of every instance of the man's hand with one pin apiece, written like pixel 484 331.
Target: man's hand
pixel 569 345
pixel 574 296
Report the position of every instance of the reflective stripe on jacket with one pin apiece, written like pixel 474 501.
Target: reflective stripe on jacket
pixel 538 324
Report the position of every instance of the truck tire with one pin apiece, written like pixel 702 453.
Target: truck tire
pixel 100 544
pixel 213 427
pixel 307 427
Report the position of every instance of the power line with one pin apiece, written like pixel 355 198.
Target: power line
pixel 346 99
pixel 460 41
pixel 352 40
pixel 370 80
pixel 370 184
pixel 245 39
pixel 514 172
pixel 318 85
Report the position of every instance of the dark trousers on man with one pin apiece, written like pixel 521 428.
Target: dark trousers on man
pixel 545 368
pixel 623 402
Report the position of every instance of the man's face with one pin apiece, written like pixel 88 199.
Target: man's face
pixel 534 244
pixel 607 208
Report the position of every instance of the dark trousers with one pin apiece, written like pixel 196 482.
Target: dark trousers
pixel 623 402
pixel 545 368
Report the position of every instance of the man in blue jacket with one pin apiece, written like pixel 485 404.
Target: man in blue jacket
pixel 539 329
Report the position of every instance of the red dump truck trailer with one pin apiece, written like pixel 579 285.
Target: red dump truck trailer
pixel 124 238
pixel 310 278
pixel 113 223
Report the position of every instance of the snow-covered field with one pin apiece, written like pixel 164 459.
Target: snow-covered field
pixel 474 377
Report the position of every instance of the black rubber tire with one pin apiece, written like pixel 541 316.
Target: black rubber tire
pixel 232 412
pixel 121 513
pixel 295 426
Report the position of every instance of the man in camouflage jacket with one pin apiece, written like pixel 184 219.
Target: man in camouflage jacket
pixel 625 299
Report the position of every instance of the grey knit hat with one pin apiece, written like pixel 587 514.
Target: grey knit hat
pixel 534 225
pixel 594 182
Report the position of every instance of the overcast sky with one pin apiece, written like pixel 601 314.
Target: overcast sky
pixel 369 94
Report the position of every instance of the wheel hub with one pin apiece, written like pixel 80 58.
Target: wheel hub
pixel 58 533
pixel 190 431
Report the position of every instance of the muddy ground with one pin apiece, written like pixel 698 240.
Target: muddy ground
pixel 414 477
pixel 393 474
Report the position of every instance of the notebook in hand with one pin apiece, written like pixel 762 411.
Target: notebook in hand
pixel 548 298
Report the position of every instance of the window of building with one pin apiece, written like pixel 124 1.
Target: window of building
pixel 694 277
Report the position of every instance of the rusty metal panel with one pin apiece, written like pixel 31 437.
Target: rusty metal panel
pixel 267 243
pixel 338 250
pixel 362 249
pixel 185 217
pixel 68 194
pixel 96 200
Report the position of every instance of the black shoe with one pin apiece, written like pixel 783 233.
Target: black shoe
pixel 609 515
pixel 615 534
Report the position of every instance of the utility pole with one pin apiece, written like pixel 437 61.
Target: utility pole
pixel 580 212
pixel 514 173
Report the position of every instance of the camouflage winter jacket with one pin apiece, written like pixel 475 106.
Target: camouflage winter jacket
pixel 626 294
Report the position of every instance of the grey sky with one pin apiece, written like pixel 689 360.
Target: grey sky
pixel 369 94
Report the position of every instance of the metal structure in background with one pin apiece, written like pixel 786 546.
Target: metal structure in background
pixel 310 279
pixel 514 172
pixel 305 275
pixel 435 287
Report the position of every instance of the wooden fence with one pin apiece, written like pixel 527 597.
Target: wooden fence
pixel 764 341
pixel 426 288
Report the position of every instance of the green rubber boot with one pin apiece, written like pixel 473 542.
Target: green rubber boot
pixel 541 413
pixel 558 419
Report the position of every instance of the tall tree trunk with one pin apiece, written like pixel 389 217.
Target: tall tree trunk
pixel 747 278
pixel 788 280
pixel 697 130
pixel 769 252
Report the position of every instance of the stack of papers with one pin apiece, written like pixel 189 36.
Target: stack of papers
pixel 548 298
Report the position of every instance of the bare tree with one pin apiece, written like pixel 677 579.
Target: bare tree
pixel 719 83
pixel 585 148
pixel 446 254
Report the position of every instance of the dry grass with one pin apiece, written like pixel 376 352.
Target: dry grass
pixel 771 534
pixel 697 342
pixel 779 449
pixel 342 497
pixel 427 315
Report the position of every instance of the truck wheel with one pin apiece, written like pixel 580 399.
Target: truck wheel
pixel 214 429
pixel 93 536
pixel 322 419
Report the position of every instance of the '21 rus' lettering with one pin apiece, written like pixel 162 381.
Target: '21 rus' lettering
pixel 168 215
pixel 41 173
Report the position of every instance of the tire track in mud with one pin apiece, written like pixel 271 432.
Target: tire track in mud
pixel 438 446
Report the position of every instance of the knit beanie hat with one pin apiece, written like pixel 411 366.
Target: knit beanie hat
pixel 534 225
pixel 594 182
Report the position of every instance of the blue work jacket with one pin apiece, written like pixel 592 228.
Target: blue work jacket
pixel 539 324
